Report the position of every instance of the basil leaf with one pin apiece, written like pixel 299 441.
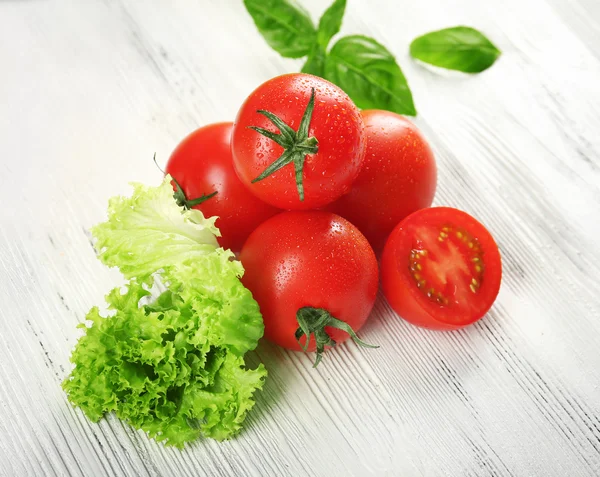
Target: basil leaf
pixel 459 48
pixel 368 72
pixel 315 64
pixel 329 25
pixel 331 22
pixel 285 26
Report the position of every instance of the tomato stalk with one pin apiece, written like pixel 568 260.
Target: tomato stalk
pixel 296 144
pixel 313 321
pixel 179 195
pixel 183 201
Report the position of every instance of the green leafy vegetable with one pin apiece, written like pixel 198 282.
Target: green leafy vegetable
pixel 359 65
pixel 315 63
pixel 149 231
pixel 329 25
pixel 286 26
pixel 368 72
pixel 459 48
pixel 171 365
pixel 330 22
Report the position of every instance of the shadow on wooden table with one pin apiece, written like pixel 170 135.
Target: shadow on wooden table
pixel 272 357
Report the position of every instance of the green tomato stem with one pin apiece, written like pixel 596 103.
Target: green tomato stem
pixel 296 144
pixel 179 195
pixel 313 321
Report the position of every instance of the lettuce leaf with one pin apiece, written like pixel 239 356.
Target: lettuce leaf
pixel 171 364
pixel 149 231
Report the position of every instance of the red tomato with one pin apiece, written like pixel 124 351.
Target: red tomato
pixel 312 273
pixel 201 164
pixel 398 177
pixel 441 269
pixel 298 142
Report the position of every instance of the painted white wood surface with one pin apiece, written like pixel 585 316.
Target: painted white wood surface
pixel 90 89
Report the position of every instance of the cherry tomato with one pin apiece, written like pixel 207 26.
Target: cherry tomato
pixel 398 177
pixel 313 274
pixel 441 269
pixel 298 142
pixel 202 165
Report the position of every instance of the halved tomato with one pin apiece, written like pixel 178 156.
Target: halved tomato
pixel 441 269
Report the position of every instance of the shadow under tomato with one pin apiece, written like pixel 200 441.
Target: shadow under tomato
pixel 284 371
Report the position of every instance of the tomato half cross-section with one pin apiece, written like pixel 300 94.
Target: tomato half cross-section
pixel 313 275
pixel 398 177
pixel 298 142
pixel 441 269
pixel 202 169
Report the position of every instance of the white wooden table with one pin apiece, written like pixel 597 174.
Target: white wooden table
pixel 90 89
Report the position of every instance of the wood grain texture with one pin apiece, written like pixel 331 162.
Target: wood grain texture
pixel 90 90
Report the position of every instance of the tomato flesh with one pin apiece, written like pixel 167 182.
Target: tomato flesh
pixel 446 264
pixel 441 269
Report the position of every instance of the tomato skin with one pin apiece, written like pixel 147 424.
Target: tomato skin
pixel 202 164
pixel 398 177
pixel 410 302
pixel 336 123
pixel 309 259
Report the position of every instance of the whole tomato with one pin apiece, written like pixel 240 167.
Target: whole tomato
pixel 314 275
pixel 298 142
pixel 202 167
pixel 398 177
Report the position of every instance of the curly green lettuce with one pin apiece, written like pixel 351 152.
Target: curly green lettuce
pixel 173 364
pixel 149 231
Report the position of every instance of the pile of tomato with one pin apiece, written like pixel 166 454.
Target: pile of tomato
pixel 310 191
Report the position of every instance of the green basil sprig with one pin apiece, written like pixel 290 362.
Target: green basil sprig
pixel 315 63
pixel 459 48
pixel 329 25
pixel 331 22
pixel 286 26
pixel 368 72
pixel 361 66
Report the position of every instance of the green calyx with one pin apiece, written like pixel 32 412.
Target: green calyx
pixel 183 201
pixel 313 321
pixel 179 195
pixel 296 144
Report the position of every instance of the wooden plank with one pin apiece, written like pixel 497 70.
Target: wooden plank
pixel 90 91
